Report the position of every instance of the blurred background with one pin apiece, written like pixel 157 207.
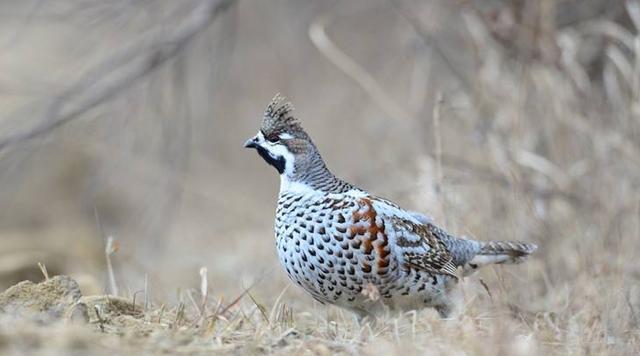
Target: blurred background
pixel 502 119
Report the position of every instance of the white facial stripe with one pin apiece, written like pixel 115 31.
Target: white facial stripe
pixel 277 149
pixel 285 136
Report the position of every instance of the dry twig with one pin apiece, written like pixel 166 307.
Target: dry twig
pixel 119 72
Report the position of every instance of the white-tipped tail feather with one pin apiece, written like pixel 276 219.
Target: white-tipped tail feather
pixel 498 252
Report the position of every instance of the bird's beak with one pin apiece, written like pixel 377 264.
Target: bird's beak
pixel 251 143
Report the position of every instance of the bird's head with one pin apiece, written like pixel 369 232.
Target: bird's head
pixel 283 143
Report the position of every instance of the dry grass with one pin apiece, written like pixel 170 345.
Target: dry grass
pixel 503 119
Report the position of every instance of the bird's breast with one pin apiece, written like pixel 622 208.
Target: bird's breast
pixel 334 247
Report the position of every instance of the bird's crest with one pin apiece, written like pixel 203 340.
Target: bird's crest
pixel 278 117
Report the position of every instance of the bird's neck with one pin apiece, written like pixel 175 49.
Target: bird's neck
pixel 312 179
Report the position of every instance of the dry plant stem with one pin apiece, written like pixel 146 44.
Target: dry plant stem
pixel 195 305
pixel 204 291
pixel 133 299
pixel 101 321
pixel 146 292
pixel 486 288
pixel 112 77
pixel 438 153
pixel 261 309
pixel 413 20
pixel 179 316
pixel 277 302
pixel 43 269
pixel 351 68
pixel 109 250
pixel 161 314
pixel 244 292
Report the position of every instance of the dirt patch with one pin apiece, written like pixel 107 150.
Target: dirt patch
pixel 46 301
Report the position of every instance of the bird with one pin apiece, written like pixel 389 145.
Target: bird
pixel 349 248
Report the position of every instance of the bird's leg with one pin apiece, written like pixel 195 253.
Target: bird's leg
pixel 363 317
pixel 444 310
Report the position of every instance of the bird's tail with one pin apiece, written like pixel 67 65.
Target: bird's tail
pixel 498 252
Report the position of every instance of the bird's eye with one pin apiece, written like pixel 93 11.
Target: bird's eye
pixel 274 137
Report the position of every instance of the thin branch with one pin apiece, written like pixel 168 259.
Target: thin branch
pixel 244 292
pixel 120 72
pixel 355 71
pixel 437 136
pixel 428 40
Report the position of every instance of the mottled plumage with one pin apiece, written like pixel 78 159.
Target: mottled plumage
pixel 339 242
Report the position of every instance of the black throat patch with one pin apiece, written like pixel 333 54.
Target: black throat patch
pixel 278 162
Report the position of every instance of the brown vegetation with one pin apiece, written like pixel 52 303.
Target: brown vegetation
pixel 502 119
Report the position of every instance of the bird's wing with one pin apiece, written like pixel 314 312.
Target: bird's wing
pixel 419 217
pixel 419 241
pixel 437 258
